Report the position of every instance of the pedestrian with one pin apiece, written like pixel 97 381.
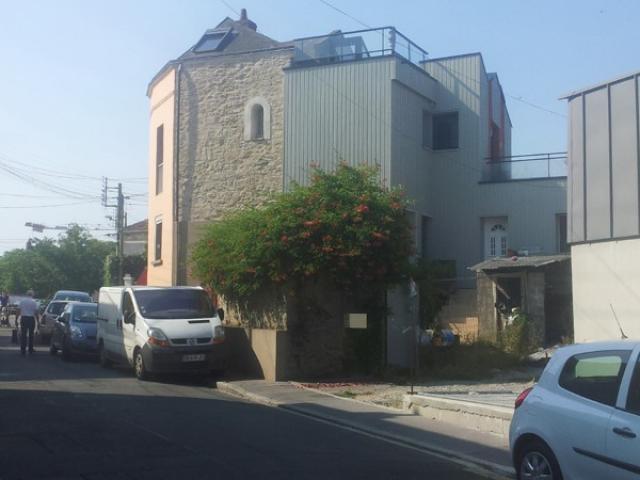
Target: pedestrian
pixel 4 313
pixel 27 312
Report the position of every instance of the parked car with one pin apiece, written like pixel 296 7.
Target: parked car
pixel 75 330
pixel 582 419
pixel 49 317
pixel 160 330
pixel 72 296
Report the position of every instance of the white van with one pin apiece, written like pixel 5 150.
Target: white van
pixel 160 330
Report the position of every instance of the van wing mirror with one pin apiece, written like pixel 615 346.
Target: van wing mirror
pixel 221 314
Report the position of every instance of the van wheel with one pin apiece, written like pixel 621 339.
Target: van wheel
pixel 537 461
pixel 139 367
pixel 104 360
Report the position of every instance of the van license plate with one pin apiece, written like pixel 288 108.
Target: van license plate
pixel 199 357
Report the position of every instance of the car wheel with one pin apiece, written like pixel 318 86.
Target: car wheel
pixel 139 367
pixel 67 355
pixel 52 348
pixel 536 462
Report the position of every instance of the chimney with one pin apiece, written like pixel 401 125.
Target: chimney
pixel 244 20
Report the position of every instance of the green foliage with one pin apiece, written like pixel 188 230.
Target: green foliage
pixel 75 262
pixel 344 228
pixel 465 362
pixel 515 336
pixel 131 264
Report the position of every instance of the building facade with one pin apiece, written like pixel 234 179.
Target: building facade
pixel 603 209
pixel 240 115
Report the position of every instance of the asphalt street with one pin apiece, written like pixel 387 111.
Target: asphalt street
pixel 75 420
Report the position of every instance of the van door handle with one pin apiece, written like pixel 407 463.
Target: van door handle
pixel 624 432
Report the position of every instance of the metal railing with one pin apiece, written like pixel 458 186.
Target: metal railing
pixel 525 167
pixel 357 45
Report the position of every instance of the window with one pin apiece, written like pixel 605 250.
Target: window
pixel 561 233
pixel 427 127
pixel 159 157
pixel 257 119
pixel 445 131
pixel 257 122
pixel 595 375
pixel 424 236
pixel 212 41
pixel 633 400
pixel 158 244
pixel 127 305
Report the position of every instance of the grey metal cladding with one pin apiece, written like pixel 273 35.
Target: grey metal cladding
pixel 624 159
pixel 575 179
pixel 337 112
pixel 597 165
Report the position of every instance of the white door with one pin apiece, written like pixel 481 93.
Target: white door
pixel 128 328
pixel 495 237
pixel 623 435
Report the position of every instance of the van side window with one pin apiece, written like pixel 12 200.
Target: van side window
pixel 127 305
pixel 595 375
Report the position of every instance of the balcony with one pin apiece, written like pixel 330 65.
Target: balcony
pixel 340 46
pixel 525 167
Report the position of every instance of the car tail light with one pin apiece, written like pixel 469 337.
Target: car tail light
pixel 525 393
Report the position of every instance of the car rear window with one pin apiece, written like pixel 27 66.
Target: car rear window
pixel 595 375
pixel 56 308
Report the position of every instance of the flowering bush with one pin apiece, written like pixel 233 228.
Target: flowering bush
pixel 344 228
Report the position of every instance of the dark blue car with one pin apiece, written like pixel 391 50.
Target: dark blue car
pixel 75 330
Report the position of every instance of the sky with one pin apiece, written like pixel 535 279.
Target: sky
pixel 73 105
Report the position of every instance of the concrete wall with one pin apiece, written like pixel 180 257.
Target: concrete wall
pixel 219 170
pixel 161 206
pixel 604 154
pixel 605 274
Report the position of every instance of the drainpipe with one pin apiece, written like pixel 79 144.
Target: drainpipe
pixel 176 174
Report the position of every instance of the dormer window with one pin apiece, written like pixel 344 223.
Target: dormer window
pixel 212 41
pixel 257 119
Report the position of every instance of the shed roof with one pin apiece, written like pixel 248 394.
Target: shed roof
pixel 509 263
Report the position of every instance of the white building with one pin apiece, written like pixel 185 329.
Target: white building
pixel 603 214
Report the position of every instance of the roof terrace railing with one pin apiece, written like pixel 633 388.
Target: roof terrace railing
pixel 357 45
pixel 525 167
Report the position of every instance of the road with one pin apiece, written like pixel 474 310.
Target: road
pixel 75 420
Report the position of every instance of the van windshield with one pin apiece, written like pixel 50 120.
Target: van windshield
pixel 174 304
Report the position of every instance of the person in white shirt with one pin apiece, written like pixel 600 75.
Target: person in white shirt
pixel 28 311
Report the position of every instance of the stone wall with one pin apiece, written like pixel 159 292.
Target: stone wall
pixel 219 170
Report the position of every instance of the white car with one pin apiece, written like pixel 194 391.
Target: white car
pixel 581 421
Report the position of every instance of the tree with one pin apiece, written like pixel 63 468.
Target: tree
pixel 344 228
pixel 74 262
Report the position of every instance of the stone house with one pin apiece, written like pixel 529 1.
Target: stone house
pixel 240 115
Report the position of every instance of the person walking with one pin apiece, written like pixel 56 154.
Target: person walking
pixel 27 311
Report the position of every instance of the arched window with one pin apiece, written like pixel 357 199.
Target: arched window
pixel 257 119
pixel 257 122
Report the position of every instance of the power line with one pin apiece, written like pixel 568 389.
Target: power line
pixel 344 13
pixel 43 206
pixel 230 7
pixel 531 104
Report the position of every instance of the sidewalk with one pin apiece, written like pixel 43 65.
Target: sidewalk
pixel 489 452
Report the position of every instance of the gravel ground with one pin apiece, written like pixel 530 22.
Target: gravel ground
pixel 391 394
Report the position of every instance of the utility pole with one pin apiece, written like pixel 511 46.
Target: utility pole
pixel 120 222
pixel 120 226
